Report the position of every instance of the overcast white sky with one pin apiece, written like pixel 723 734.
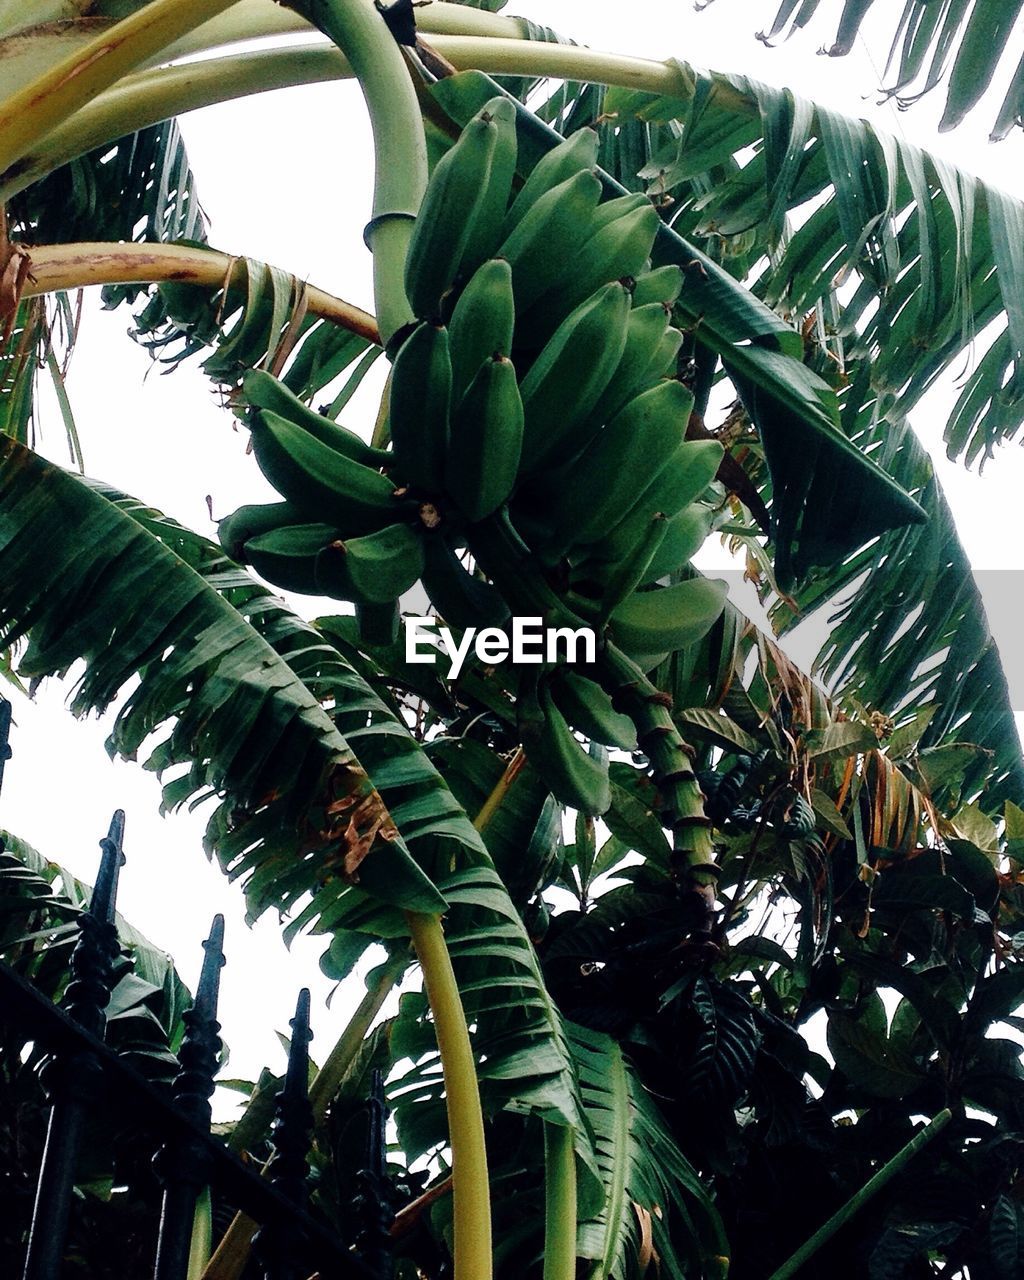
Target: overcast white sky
pixel 285 178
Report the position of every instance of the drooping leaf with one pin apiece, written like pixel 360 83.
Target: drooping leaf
pixel 90 576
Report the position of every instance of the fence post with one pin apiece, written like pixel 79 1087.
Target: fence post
pixel 373 1203
pixel 5 734
pixel 71 1081
pixel 182 1166
pixel 276 1244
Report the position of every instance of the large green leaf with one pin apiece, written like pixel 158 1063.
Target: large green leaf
pixel 959 43
pixel 238 684
pixel 640 1165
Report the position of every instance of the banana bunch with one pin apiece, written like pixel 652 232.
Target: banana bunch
pixel 538 386
pixel 344 529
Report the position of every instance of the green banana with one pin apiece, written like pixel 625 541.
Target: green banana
pixel 253 519
pixel 320 481
pixel 445 223
pixel 482 323
pixel 664 619
pixel 420 405
pixel 548 237
pixel 263 391
pixel 645 329
pixel 578 151
pixel 589 709
pixel 372 570
pixel 287 556
pixel 666 359
pixel 573 775
pixel 609 210
pixel 684 537
pixel 567 381
pixel 691 467
pixel 486 229
pixel 600 487
pixel 630 571
pixel 487 440
pixel 663 284
pixel 461 599
pixel 379 624
pixel 615 251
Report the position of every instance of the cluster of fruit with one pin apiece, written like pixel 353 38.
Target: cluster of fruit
pixel 536 391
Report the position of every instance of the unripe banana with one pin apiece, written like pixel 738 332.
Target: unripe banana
pixel 617 250
pixel 482 323
pixel 589 709
pixel 567 381
pixel 487 441
pixel 600 488
pixel 663 284
pixel 573 775
pixel 548 237
pixel 645 329
pixel 631 569
pixel 379 624
pixel 577 152
pixel 486 230
pixel 372 570
pixel 263 391
pixel 664 619
pixel 691 467
pixel 610 210
pixel 686 533
pixel 461 599
pixel 420 406
pixel 445 223
pixel 320 481
pixel 287 556
pixel 253 519
pixel 666 359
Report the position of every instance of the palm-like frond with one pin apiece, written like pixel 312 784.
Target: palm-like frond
pixel 242 685
pixel 959 43
pixel 642 1171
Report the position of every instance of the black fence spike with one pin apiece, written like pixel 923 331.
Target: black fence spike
pixel 373 1202
pixel 103 903
pixel 183 1165
pixel 277 1244
pixel 72 1081
pixel 5 735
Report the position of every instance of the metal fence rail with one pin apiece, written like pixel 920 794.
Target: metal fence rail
pixel 82 1075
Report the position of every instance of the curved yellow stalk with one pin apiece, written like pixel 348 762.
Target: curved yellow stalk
pixel 470 1186
pixel 28 115
pixel 156 95
pixel 72 266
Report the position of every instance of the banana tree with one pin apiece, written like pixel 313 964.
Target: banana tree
pixel 565 304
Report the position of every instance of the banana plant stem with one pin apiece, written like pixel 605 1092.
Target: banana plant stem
pixel 29 114
pixel 857 1201
pixel 399 143
pixel 155 95
pixel 497 797
pixel 72 266
pixel 508 562
pixel 258 19
pixel 559 1203
pixel 470 1186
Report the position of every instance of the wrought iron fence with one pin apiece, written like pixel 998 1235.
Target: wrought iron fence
pixel 82 1074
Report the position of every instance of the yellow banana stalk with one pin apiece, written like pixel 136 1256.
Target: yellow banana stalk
pixel 28 115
